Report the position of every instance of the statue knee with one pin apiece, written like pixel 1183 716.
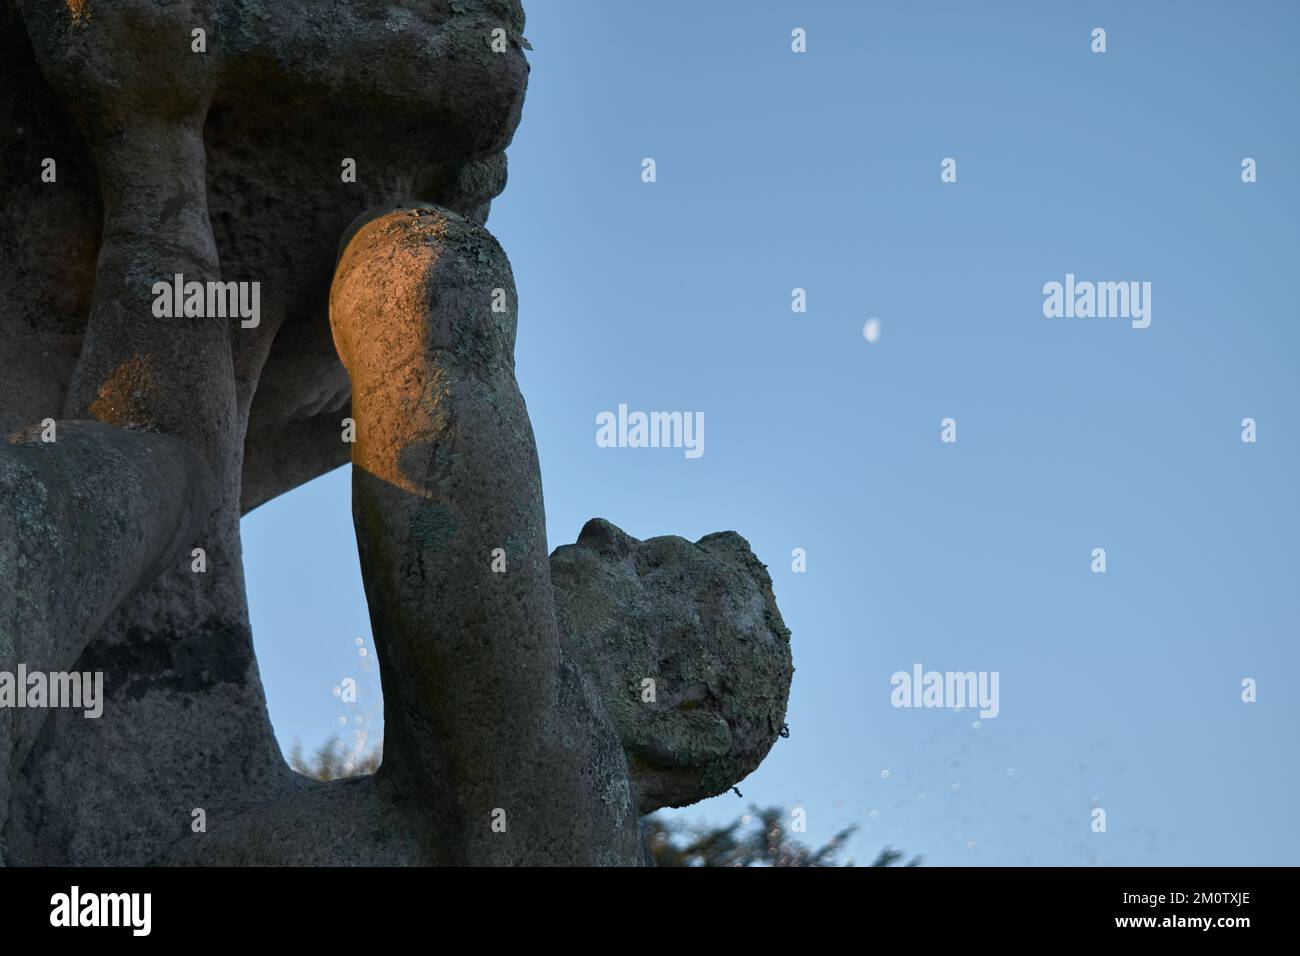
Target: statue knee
pixel 420 286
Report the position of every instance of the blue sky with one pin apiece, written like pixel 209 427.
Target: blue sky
pixel 778 170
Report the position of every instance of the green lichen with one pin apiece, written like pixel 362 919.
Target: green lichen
pixel 433 524
pixel 29 495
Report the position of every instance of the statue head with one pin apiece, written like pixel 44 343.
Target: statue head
pixel 686 645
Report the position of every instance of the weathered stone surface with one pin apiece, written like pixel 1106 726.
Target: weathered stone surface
pixel 440 420
pixel 225 165
pixel 90 491
pixel 413 93
pixel 700 621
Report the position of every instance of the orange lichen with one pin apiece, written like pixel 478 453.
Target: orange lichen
pixel 124 399
pixel 80 10
pixel 381 317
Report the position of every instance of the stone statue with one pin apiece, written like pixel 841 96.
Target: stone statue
pixel 148 147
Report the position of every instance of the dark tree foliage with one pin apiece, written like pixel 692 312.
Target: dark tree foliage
pixel 759 839
pixel 330 762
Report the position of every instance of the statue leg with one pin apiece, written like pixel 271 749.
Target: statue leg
pixel 185 722
pixel 486 723
pixel 91 512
